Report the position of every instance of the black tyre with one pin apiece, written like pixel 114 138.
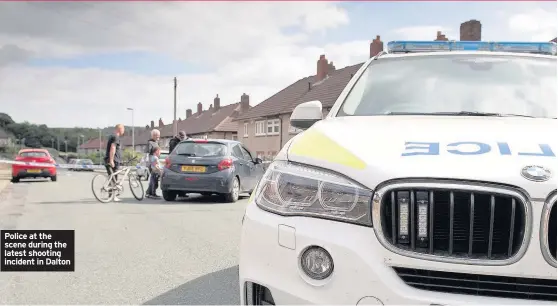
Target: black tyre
pixel 169 195
pixel 206 194
pixel 53 178
pixel 15 179
pixel 136 187
pixel 232 196
pixel 99 185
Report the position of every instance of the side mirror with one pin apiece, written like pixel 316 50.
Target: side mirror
pixel 258 160
pixel 306 114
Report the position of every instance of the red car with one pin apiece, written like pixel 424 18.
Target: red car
pixel 33 171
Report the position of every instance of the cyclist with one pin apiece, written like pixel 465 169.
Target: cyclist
pixel 113 156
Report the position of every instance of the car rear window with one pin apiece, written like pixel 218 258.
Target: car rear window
pixel 33 154
pixel 86 162
pixel 205 149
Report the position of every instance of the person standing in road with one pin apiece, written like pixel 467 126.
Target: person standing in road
pixel 155 170
pixel 176 140
pixel 152 144
pixel 113 155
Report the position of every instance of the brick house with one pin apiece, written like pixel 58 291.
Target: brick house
pixel 265 128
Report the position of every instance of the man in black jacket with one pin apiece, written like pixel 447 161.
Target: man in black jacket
pixel 176 140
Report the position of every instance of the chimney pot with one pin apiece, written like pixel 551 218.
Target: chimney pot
pixel 200 108
pixel 188 113
pixel 161 124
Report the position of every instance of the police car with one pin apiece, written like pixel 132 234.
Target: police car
pixel 431 181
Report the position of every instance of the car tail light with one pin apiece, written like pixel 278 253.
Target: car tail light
pixel 225 164
pixel 167 163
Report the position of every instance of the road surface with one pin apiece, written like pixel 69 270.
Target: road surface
pixel 148 252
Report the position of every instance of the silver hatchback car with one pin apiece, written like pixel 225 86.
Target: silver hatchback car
pixel 210 166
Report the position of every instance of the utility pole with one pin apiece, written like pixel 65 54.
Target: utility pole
pixel 133 133
pixel 52 143
pixel 100 147
pixel 65 145
pixel 58 143
pixel 174 123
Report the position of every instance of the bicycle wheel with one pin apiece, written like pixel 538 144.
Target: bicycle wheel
pixel 101 191
pixel 136 187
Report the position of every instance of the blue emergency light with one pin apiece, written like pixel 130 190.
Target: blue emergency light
pixel 547 48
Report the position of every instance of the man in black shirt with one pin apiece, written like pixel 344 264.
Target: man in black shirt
pixel 113 156
pixel 176 140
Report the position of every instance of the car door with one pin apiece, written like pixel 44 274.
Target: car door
pixel 252 168
pixel 241 166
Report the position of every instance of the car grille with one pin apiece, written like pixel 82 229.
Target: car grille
pixel 460 224
pixel 548 231
pixel 482 285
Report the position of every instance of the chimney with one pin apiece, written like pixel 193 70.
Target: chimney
pixel 322 67
pixel 330 67
pixel 470 30
pixel 188 113
pixel 217 103
pixel 376 46
pixel 440 36
pixel 161 124
pixel 152 124
pixel 200 108
pixel 244 102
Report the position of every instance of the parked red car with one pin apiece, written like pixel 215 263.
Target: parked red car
pixel 33 171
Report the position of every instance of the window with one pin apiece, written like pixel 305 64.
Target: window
pixel 200 149
pixel 260 154
pixel 247 155
pixel 293 130
pixel 234 137
pixel 245 129
pixel 509 84
pixel 236 152
pixel 260 128
pixel 273 127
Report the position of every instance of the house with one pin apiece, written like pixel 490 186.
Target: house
pixel 93 146
pixel 265 128
pixel 215 122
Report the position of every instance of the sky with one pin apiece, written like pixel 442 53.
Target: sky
pixel 68 64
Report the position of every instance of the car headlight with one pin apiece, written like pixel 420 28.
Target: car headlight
pixel 297 190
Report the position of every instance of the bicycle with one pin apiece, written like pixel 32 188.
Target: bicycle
pixel 113 187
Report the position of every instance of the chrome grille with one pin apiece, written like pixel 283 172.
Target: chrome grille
pixel 481 285
pixel 457 223
pixel 548 231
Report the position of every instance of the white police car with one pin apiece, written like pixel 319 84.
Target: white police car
pixel 431 181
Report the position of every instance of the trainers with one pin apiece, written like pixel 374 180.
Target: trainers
pixel 155 196
pixel 117 199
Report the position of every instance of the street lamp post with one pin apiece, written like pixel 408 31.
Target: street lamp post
pixel 133 133
pixel 66 145
pixel 100 147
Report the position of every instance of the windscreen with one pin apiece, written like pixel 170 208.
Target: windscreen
pixel 201 149
pixel 456 83
pixel 33 154
pixel 86 162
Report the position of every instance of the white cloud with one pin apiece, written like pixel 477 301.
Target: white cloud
pixel 245 42
pixel 536 24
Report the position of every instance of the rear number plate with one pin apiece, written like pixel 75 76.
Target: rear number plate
pixel 33 171
pixel 199 169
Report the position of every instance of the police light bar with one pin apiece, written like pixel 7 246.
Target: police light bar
pixel 547 48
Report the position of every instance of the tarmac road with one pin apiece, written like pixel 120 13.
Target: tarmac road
pixel 148 252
